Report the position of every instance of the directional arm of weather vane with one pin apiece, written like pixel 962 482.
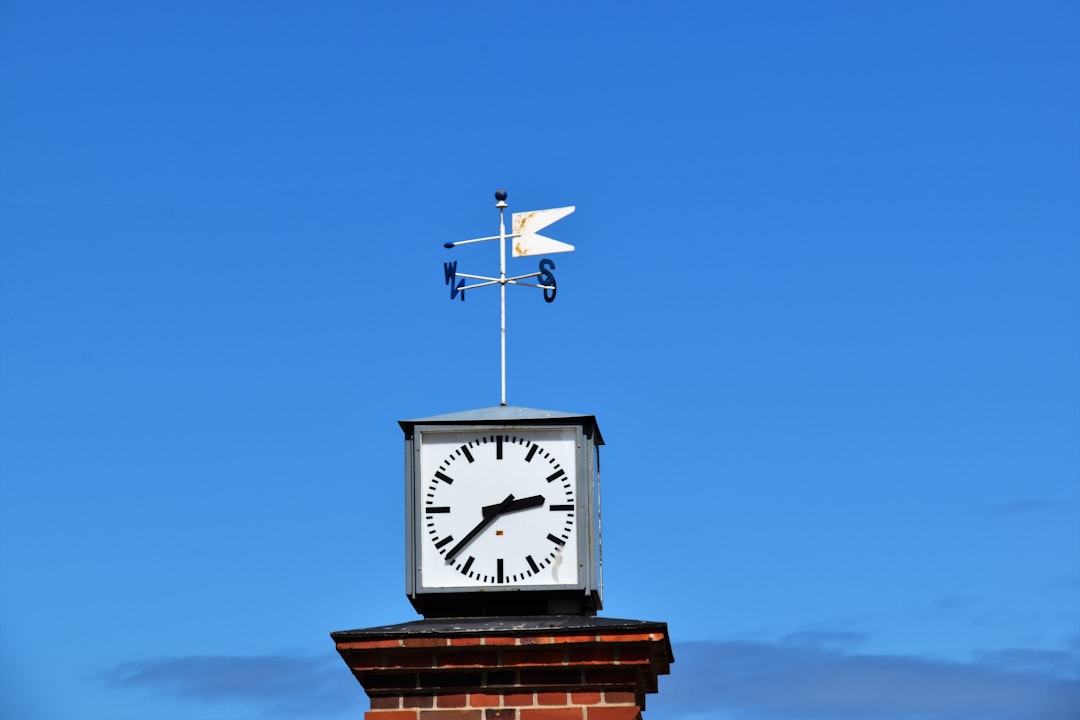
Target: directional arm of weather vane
pixel 520 277
pixel 476 277
pixel 463 288
pixel 533 285
pixel 449 245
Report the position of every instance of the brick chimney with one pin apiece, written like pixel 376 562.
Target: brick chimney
pixel 562 667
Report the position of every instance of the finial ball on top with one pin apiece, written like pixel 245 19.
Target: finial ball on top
pixel 500 195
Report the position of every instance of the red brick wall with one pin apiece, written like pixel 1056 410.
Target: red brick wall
pixel 602 676
pixel 545 705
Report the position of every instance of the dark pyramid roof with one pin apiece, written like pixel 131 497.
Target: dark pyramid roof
pixel 499 414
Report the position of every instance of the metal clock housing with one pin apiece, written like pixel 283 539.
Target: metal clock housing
pixel 503 513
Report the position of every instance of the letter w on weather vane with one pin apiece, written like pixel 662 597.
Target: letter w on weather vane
pixel 526 242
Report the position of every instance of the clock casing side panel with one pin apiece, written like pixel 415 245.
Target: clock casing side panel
pixel 410 522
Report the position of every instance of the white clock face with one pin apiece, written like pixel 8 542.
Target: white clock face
pixel 498 508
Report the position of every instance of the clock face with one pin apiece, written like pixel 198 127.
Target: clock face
pixel 498 508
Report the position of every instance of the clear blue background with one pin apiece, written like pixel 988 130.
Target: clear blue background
pixel 825 305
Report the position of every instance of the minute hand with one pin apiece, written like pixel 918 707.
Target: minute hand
pixel 489 514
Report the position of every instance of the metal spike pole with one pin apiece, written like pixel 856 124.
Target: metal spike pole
pixel 501 204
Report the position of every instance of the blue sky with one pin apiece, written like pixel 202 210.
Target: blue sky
pixel 824 304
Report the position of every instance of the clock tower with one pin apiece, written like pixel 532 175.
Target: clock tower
pixel 502 555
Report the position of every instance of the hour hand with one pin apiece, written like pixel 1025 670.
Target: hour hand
pixel 511 505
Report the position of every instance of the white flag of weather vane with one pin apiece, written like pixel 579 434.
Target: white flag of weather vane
pixel 525 225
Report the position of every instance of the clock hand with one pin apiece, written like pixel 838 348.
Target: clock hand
pixel 514 505
pixel 490 513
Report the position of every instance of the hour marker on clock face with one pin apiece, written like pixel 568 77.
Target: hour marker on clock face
pixel 532 563
pixel 555 475
pixel 445 541
pixel 499 570
pixel 444 477
pixel 467 565
pixel 468 455
pixel 498 447
pixel 556 540
pixel 436 509
pixel 554 508
pixel 532 451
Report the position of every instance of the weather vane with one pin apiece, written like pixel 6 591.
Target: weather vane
pixel 526 242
